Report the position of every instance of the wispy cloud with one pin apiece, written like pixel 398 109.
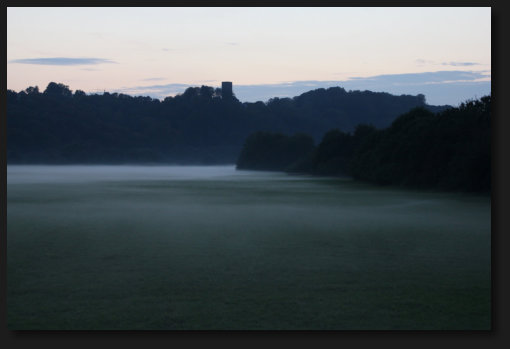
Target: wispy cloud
pixel 62 61
pixel 440 87
pixel 422 62
pixel 155 91
pixel 414 79
pixel 460 64
pixel 154 79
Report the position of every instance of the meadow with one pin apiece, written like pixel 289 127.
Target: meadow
pixel 212 248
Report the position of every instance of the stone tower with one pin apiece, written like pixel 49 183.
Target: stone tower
pixel 226 90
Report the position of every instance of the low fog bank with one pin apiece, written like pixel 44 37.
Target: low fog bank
pixel 25 174
pixel 92 173
pixel 215 248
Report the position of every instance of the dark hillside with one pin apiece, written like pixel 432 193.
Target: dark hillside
pixel 198 126
pixel 448 150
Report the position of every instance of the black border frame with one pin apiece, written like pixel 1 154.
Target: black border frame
pixel 496 337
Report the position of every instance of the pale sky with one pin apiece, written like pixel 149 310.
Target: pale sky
pixel 157 51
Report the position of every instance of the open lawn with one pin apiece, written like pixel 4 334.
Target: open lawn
pixel 192 248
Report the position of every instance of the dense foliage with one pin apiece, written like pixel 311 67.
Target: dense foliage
pixel 197 126
pixel 448 150
pixel 274 151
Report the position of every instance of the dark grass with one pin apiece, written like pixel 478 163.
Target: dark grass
pixel 261 252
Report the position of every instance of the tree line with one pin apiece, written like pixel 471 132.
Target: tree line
pixel 449 150
pixel 58 125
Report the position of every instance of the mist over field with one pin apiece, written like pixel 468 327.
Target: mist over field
pixel 209 247
pixel 105 173
pixel 262 168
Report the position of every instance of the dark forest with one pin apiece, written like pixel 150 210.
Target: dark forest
pixel 199 126
pixel 448 150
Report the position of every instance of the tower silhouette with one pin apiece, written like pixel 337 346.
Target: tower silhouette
pixel 226 90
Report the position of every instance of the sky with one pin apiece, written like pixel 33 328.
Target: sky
pixel 443 53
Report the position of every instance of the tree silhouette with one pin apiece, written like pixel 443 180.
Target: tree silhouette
pixel 59 90
pixel 197 126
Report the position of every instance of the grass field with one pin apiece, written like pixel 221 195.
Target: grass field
pixel 194 248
